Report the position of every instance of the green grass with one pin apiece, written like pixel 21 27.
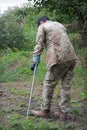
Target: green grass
pixel 14 66
pixel 19 92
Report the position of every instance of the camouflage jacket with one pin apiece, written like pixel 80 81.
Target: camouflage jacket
pixel 52 36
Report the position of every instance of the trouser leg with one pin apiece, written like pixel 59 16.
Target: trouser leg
pixel 57 72
pixel 66 87
pixel 48 89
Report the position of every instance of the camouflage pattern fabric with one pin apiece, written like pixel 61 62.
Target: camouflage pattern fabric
pixel 60 61
pixel 52 36
pixel 63 72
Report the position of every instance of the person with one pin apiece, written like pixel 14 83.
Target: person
pixel 60 63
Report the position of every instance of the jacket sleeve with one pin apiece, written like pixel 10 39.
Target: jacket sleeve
pixel 39 41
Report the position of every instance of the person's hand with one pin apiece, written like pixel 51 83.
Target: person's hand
pixel 32 66
pixel 36 59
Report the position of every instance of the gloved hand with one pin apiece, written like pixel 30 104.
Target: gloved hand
pixel 36 59
pixel 32 66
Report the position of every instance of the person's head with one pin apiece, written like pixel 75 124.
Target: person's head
pixel 42 19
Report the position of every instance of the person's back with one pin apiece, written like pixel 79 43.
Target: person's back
pixel 59 48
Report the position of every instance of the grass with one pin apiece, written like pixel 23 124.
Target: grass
pixel 19 92
pixel 14 67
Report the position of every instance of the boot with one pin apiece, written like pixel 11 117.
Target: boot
pixel 62 116
pixel 41 113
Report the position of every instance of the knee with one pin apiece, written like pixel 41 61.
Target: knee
pixel 50 83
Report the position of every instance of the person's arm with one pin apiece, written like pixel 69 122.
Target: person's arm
pixel 39 41
pixel 38 47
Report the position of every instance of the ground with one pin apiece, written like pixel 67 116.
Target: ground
pixel 14 98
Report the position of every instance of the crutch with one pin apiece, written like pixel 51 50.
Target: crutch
pixel 29 103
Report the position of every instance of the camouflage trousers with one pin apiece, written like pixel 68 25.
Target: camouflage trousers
pixel 63 72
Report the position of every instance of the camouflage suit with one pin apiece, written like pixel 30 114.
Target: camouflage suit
pixel 60 62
